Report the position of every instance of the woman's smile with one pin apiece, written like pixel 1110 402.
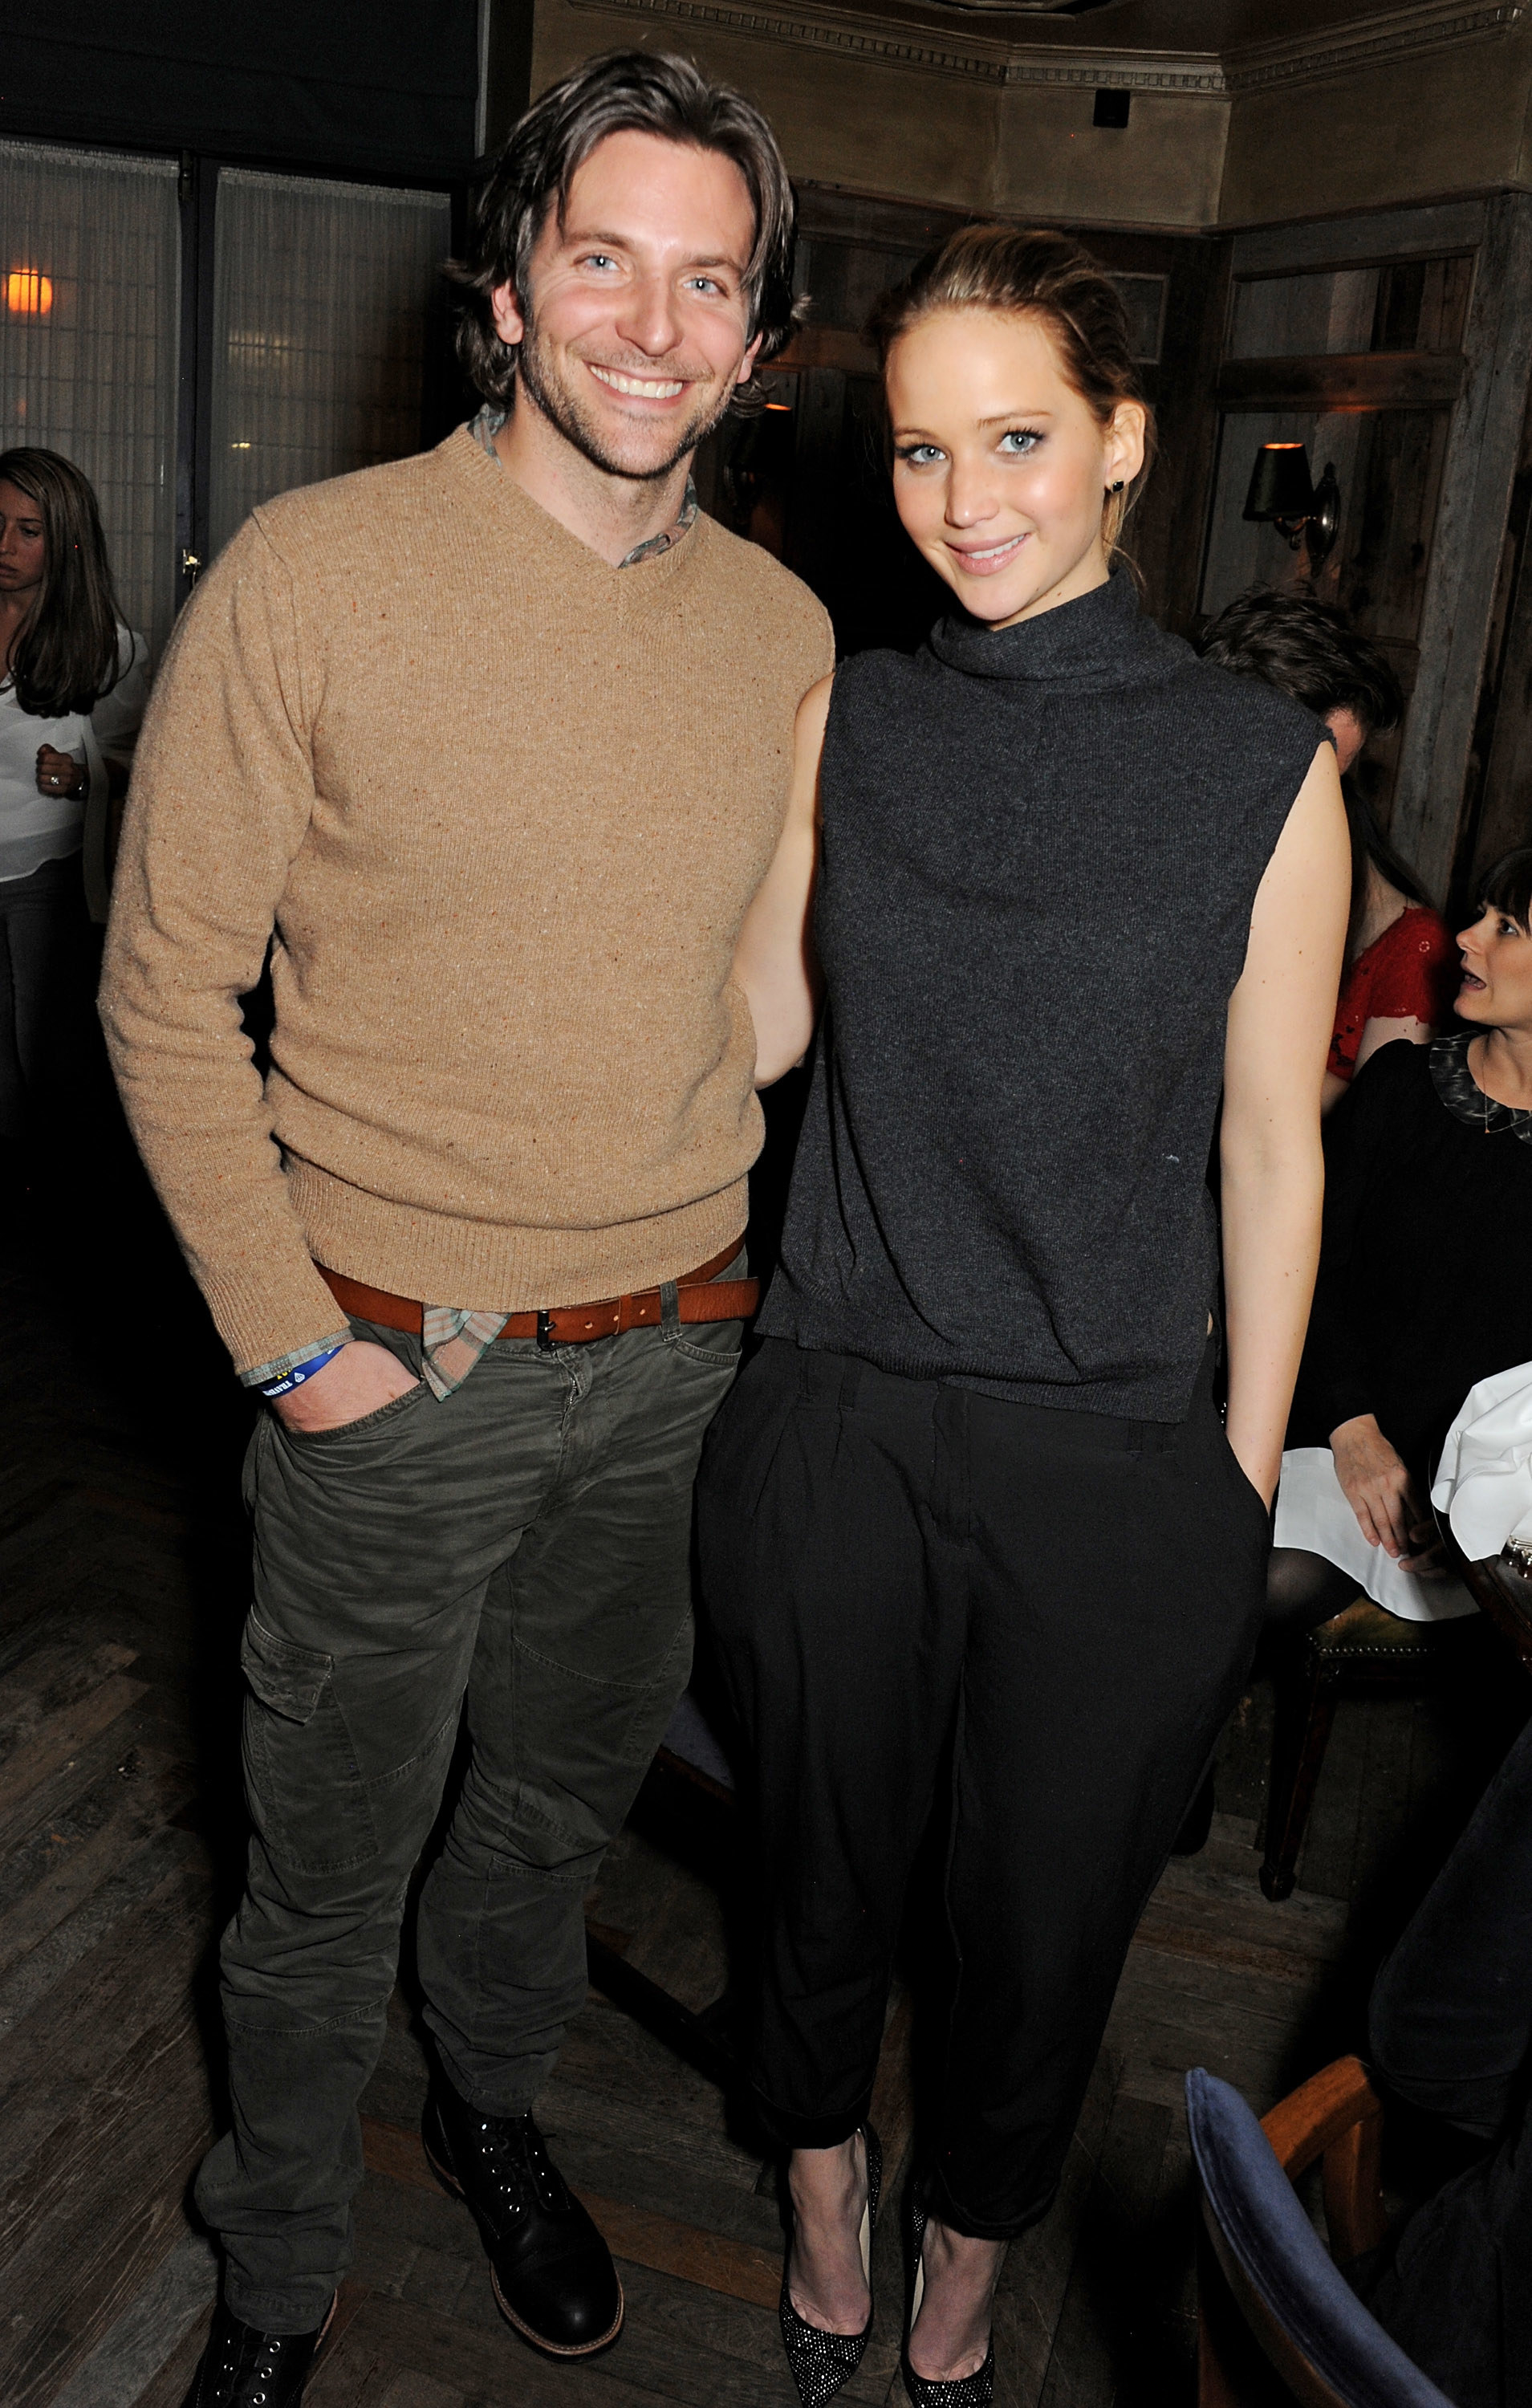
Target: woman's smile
pixel 982 560
pixel 987 430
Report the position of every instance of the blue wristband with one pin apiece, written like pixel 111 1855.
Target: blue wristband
pixel 301 1372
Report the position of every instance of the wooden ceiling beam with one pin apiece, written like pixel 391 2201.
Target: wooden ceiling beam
pixel 1328 380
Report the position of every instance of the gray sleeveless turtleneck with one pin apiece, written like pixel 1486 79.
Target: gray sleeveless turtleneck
pixel 1041 848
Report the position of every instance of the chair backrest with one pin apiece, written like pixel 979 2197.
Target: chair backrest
pixel 1328 2349
pixel 692 1748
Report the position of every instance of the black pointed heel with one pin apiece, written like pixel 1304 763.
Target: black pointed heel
pixel 976 2390
pixel 820 2362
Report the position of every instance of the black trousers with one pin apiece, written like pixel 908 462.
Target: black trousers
pixel 1071 1601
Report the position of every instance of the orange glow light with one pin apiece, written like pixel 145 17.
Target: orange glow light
pixel 29 294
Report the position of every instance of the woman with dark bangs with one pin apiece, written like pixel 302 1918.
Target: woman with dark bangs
pixel 73 685
pixel 1428 1214
pixel 972 1502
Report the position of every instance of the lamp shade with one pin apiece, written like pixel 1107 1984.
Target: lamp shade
pixel 1280 486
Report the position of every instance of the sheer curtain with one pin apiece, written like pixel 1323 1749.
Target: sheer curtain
pixel 322 297
pixel 90 306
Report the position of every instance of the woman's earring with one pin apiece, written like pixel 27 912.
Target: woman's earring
pixel 1117 488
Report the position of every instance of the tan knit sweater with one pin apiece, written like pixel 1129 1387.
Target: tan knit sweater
pixel 504 808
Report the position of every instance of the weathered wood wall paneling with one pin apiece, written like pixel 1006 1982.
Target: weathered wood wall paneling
pixel 1372 236
pixel 1498 806
pixel 1476 494
pixel 1342 381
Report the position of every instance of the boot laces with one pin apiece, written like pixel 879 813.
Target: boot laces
pixel 516 2159
pixel 247 2368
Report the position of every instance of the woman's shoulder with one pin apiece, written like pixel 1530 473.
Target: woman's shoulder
pixel 1248 711
pixel 1394 1100
pixel 1399 1072
pixel 1419 933
pixel 878 671
pixel 874 691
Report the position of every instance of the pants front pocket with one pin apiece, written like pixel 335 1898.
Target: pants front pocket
pixel 305 1785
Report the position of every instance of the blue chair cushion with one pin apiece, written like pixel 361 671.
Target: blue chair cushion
pixel 1271 2239
pixel 688 1736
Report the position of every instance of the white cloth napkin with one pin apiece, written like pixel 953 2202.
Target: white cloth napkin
pixel 1483 1481
pixel 1313 1512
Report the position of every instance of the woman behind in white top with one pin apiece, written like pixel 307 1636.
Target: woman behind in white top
pixel 73 685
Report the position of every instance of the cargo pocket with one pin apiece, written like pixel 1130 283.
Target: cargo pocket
pixel 307 1796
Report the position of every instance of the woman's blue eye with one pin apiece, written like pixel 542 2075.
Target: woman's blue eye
pixel 1023 439
pixel 920 454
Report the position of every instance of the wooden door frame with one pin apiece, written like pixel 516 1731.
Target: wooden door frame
pixel 1433 789
pixel 1432 797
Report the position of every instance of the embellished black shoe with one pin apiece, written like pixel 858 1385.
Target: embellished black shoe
pixel 244 2367
pixel 976 2390
pixel 821 2362
pixel 552 2271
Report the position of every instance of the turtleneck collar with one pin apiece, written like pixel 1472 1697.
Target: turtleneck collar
pixel 1101 639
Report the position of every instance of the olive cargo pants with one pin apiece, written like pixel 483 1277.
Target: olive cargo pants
pixel 516 1556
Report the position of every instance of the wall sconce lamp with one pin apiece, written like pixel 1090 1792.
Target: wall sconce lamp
pixel 1283 492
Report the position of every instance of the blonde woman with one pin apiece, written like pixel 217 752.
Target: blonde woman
pixel 973 1502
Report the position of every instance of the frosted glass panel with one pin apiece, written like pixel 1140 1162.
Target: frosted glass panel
pixel 89 306
pixel 322 295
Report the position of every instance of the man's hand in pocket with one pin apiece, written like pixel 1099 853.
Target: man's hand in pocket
pixel 360 1379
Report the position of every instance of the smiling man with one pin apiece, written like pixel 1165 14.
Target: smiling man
pixel 491 748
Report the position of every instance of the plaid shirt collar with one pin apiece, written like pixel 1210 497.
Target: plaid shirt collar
pixel 487 426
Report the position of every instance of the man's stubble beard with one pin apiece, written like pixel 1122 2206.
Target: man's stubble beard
pixel 579 429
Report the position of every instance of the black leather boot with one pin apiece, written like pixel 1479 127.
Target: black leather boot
pixel 244 2367
pixel 552 2271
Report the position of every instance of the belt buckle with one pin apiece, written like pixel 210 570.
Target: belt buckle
pixel 545 1333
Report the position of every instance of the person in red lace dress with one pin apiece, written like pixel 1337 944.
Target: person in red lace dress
pixel 1401 964
pixel 1399 983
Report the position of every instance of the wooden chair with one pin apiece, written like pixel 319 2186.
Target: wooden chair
pixel 1263 2276
pixel 691 1756
pixel 1504 1597
pixel 1362 1652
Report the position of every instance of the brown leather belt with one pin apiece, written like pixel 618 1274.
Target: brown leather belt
pixel 702 1296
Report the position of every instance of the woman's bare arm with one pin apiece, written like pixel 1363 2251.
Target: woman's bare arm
pixel 773 960
pixel 1281 1016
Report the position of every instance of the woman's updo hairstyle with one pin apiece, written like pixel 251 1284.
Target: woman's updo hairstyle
pixel 1028 274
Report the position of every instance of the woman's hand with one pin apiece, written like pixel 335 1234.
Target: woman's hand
pixel 60 773
pixel 362 1377
pixel 1382 1495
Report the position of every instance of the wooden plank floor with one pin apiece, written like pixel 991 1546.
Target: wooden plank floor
pixel 122 1591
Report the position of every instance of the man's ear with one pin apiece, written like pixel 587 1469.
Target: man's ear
pixel 747 366
pixel 509 324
